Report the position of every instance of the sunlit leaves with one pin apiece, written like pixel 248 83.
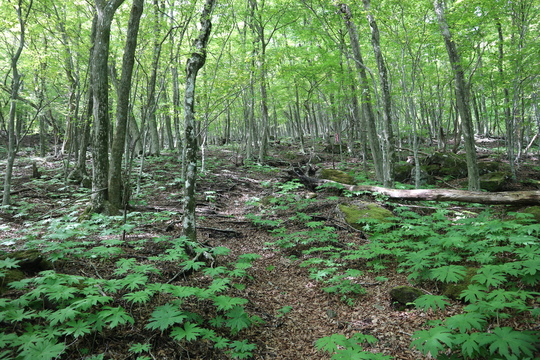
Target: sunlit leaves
pixel 165 316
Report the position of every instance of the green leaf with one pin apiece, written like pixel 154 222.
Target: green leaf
pixel 78 328
pixel 474 293
pixel 226 302
pixel 238 319
pixel 9 263
pixel 331 343
pixel 433 340
pixel 512 344
pixel 434 302
pixel 241 349
pixel 489 275
pixel 60 316
pixel 189 332
pixel 42 350
pixel 449 273
pixel 139 296
pixel 165 316
pixel 139 348
pixel 471 344
pixel 466 322
pixel 115 316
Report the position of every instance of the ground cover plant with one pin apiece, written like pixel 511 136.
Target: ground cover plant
pixel 277 273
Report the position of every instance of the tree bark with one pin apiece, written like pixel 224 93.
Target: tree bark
pixel 478 197
pixel 462 98
pixel 122 107
pixel 388 134
pixel 100 88
pixel 366 93
pixel 15 85
pixel 194 64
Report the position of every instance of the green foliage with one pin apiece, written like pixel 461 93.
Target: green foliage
pixel 342 348
pixel 54 309
pixel 444 247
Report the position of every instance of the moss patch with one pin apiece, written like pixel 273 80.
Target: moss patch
pixel 30 261
pixel 454 290
pixel 534 210
pixel 358 213
pixel 336 175
pixel 494 181
pixel 403 295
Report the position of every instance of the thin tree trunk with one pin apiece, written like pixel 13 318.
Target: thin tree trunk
pixel 194 64
pixel 462 98
pixel 15 85
pixel 366 93
pixel 122 108
pixel 388 135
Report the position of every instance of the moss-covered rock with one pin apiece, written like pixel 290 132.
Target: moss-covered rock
pixel 358 213
pixel 445 164
pixel 30 261
pixel 494 181
pixel 404 295
pixel 402 172
pixel 454 290
pixel 336 175
pixel 10 276
pixel 534 211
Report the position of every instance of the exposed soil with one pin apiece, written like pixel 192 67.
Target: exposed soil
pixel 275 280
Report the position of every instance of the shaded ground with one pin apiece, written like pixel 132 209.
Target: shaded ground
pixel 276 281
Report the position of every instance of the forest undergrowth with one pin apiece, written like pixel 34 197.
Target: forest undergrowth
pixel 276 272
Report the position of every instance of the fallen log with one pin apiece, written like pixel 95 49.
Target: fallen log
pixel 490 198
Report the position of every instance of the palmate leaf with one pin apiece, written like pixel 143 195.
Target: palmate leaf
pixel 226 302
pixel 512 344
pixel 489 275
pixel 331 343
pixel 433 340
pixel 115 316
pixel 449 273
pixel 466 322
pixel 60 316
pixel 42 350
pixel 434 302
pixel 471 344
pixel 189 332
pixel 78 328
pixel 165 316
pixel 238 319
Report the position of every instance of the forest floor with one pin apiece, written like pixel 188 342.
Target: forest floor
pixel 275 282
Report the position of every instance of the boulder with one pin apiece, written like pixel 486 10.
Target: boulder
pixel 335 175
pixel 494 181
pixel 358 213
pixel 404 295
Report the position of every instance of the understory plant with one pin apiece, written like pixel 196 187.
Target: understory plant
pixel 493 263
pixel 52 313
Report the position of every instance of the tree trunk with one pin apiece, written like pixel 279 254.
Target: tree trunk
pixel 122 108
pixel 15 85
pixel 366 93
pixel 478 197
pixel 100 88
pixel 388 134
pixel 194 64
pixel 462 98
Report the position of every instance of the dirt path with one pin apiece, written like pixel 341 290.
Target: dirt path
pixel 279 283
